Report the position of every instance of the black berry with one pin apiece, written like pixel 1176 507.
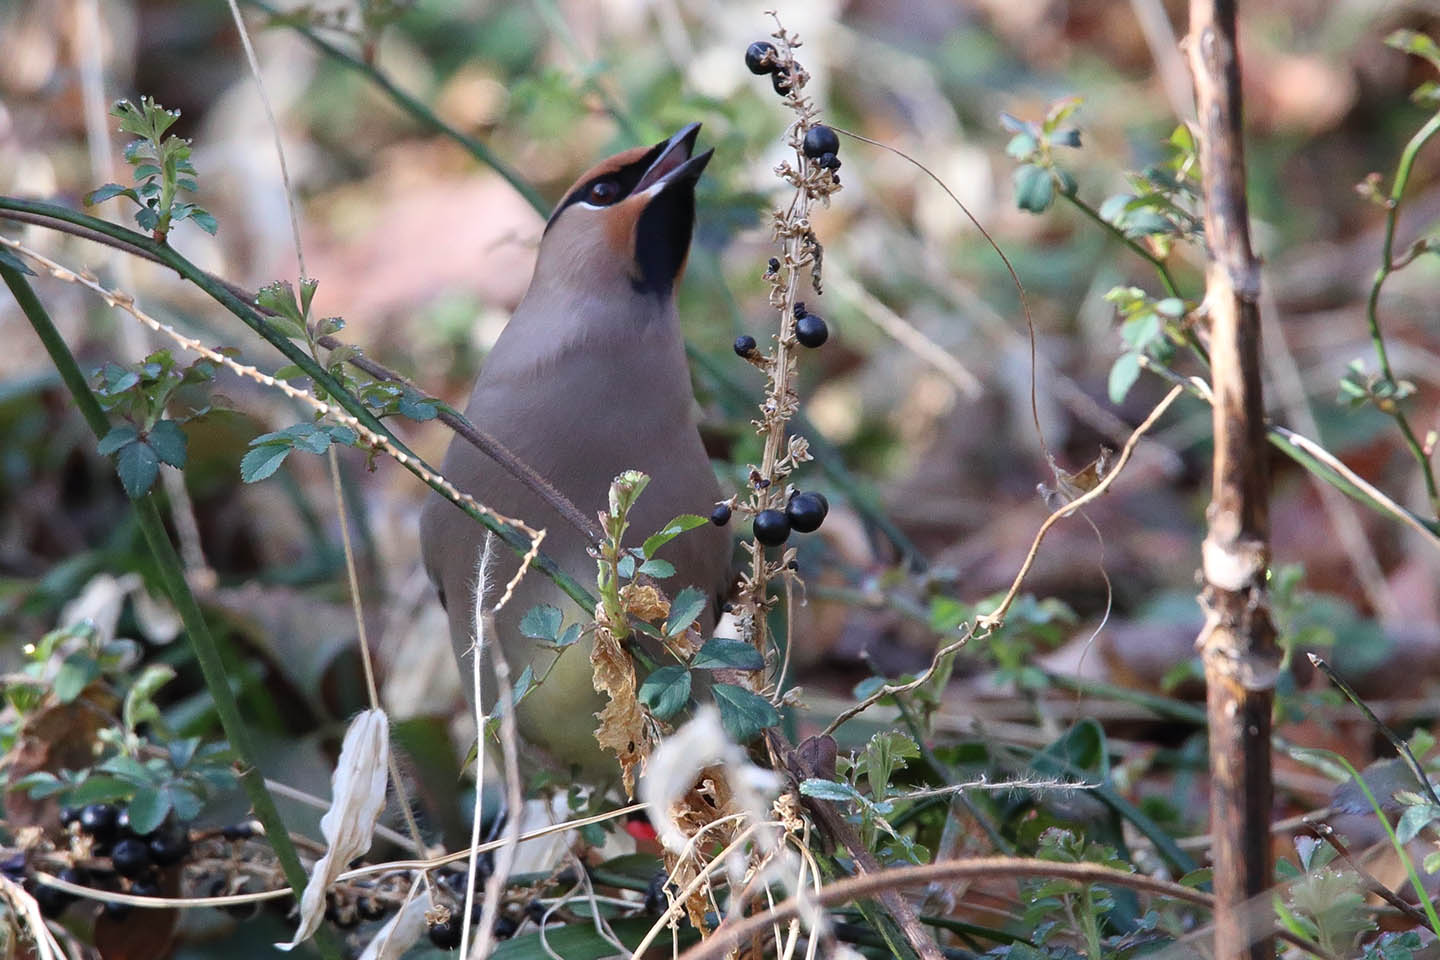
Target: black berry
pixel 13 866
pixel 720 515
pixel 773 265
pixel 806 511
pixel 820 140
pixel 505 928
pixel 780 80
pixel 170 843
pixel 811 331
pixel 446 935
pixel 131 857
pixel 52 900
pixel 761 58
pixel 771 528
pixel 146 888
pixel 800 310
pixel 535 910
pixel 828 161
pixel 238 831
pixel 100 820
pixel 744 345
pixel 69 815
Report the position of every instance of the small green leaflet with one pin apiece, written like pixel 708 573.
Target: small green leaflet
pixel 671 530
pixel 743 714
pixel 666 691
pixel 721 654
pixel 542 622
pixel 688 605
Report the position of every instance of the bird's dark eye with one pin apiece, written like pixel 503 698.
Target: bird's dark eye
pixel 603 192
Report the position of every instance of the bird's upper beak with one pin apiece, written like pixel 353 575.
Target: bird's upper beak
pixel 675 164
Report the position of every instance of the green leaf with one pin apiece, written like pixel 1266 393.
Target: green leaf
pixel 666 691
pixel 98 788
pixel 1034 189
pixel 109 192
pixel 571 634
pixel 742 713
pixel 308 286
pixel 129 769
pixel 137 465
pixel 169 443
pixel 203 219
pixel 671 530
pixel 263 461
pixel 542 622
pixel 40 784
pixel 74 675
pixel 291 371
pixel 117 438
pixel 831 790
pixel 722 654
pixel 657 568
pixel 1123 374
pixel 687 606
pixel 186 802
pixel 1415 43
pixel 12 262
pixel 1022 145
pixel 626 566
pixel 148 809
pixel 417 406
pixel 140 698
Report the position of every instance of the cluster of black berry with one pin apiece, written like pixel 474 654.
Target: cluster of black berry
pixel 762 58
pixel 803 514
pixel 134 857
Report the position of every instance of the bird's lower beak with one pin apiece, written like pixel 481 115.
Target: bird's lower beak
pixel 675 164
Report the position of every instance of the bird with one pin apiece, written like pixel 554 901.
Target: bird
pixel 587 380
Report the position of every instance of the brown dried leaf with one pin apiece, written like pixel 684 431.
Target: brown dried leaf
pixel 645 602
pixel 622 721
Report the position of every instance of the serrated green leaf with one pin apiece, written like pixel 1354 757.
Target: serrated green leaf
pixel 1034 189
pixel 657 568
pixel 263 461
pixel 542 622
pixel 1123 374
pixel 117 438
pixel 626 566
pixel 204 219
pixel 689 603
pixel 571 634
pixel 743 714
pixel 148 809
pixel 666 691
pixel 169 443
pixel 146 170
pixel 108 192
pixel 137 465
pixel 671 530
pixel 831 790
pixel 721 654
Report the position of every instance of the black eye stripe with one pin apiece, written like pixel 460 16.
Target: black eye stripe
pixel 625 178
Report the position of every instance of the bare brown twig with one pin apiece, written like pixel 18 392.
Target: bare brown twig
pixel 1238 639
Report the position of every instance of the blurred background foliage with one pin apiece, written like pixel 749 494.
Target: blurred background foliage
pixel 424 251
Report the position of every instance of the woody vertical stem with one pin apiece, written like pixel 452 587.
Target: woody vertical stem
pixel 1238 639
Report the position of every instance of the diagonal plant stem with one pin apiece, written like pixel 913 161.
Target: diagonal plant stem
pixel 77 226
pixel 515 539
pixel 172 575
pixel 1372 303
pixel 407 102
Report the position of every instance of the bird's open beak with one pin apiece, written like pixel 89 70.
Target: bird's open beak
pixel 675 164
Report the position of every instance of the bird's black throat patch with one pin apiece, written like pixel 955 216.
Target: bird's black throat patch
pixel 662 239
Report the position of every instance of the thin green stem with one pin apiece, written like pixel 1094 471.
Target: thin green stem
pixel 410 104
pixel 1166 279
pixel 1372 303
pixel 172 575
pixel 164 254
pixel 1420 892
